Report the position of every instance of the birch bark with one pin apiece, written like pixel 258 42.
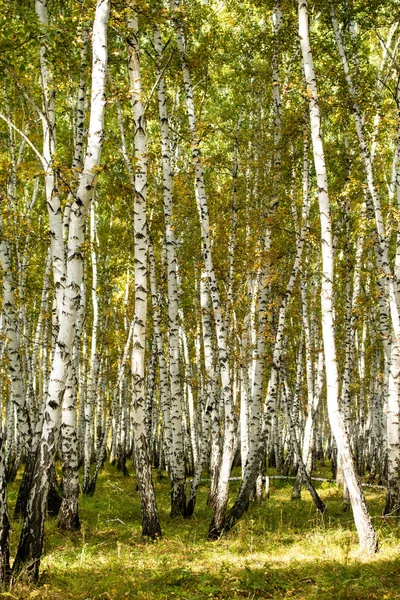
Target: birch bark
pixel 150 521
pixel 270 416
pixel 209 401
pixel 90 399
pixel 17 395
pixel 48 118
pixel 5 570
pixel 387 284
pixel 177 458
pixel 31 540
pixel 221 496
pixel 68 517
pixel 367 536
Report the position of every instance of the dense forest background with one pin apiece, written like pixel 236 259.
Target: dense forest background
pixel 200 255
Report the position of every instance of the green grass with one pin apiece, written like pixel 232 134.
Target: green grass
pixel 280 549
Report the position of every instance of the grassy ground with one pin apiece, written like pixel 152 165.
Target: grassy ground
pixel 280 549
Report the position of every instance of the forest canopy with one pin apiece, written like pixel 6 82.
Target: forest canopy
pixel 200 253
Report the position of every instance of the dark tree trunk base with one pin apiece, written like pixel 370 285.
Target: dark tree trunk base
pixel 53 499
pixel 213 532
pixel 53 502
pixel 25 487
pixel 12 471
pixel 238 509
pixel 296 491
pixel 89 489
pixel 151 529
pixel 178 500
pixel 68 518
pixel 28 555
pixel 392 507
pixel 190 508
pixel 69 523
pixel 5 570
pixel 334 464
pixel 121 466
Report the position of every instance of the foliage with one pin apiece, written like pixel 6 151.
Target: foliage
pixel 280 549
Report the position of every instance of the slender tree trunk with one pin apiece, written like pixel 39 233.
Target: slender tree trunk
pixel 221 496
pixel 68 517
pixel 150 521
pixel 31 541
pixel 177 457
pixel 386 281
pixel 11 330
pixel 211 387
pixel 366 533
pixel 209 404
pixel 164 382
pixel 91 392
pixel 5 570
pixel 305 476
pixel 271 414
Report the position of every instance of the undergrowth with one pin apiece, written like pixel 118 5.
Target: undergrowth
pixel 280 549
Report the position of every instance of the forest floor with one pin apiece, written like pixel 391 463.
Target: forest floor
pixel 280 549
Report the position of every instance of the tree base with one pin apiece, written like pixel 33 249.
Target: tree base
pixel 68 518
pixel 53 502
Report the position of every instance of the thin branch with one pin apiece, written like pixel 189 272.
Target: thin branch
pixel 26 95
pixel 385 47
pixel 27 140
pixel 158 81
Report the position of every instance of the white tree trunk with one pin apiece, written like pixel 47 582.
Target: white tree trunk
pixel 11 331
pixel 366 533
pixel 177 458
pixel 93 371
pixel 150 522
pixel 48 118
pixel 31 540
pixel 221 497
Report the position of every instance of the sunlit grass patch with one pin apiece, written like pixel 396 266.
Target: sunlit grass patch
pixel 279 549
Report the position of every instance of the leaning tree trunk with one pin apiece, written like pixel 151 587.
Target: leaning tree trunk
pixel 367 536
pixel 254 414
pixel 31 541
pixel 386 281
pixel 302 468
pixel 5 570
pixel 258 444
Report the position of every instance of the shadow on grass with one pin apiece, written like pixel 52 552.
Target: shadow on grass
pixel 325 580
pixel 279 549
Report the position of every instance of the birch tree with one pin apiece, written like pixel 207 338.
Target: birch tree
pixel 150 522
pixel 177 462
pixel 31 541
pixel 366 533
pixel 221 495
